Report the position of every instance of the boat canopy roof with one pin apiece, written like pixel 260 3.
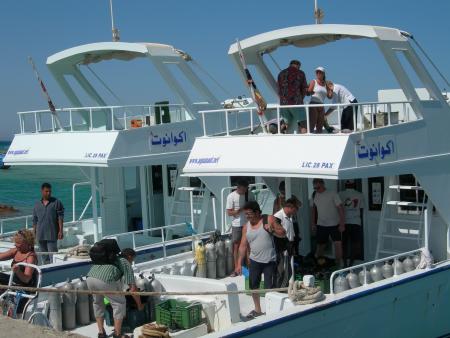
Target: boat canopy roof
pixel 314 35
pixel 101 51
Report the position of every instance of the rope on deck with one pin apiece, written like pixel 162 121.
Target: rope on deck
pixel 139 293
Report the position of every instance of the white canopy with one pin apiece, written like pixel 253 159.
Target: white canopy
pixel 313 35
pixel 97 52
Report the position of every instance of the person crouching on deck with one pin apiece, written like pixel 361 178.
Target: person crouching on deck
pixel 263 257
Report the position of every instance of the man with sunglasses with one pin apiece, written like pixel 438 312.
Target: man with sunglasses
pixel 258 236
pixel 48 219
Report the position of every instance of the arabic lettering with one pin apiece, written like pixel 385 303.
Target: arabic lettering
pixel 376 150
pixel 167 138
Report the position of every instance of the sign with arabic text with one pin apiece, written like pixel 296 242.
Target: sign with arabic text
pixel 167 139
pixel 375 150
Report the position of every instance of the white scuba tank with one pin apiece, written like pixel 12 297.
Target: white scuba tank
pixel 55 313
pixel 229 253
pixel 361 276
pixel 340 284
pixel 82 303
pixel 408 264
pixel 220 259
pixel 398 267
pixel 375 273
pixel 68 307
pixel 352 279
pixel 210 260
pixel 387 270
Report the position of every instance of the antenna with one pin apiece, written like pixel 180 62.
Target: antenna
pixel 115 31
pixel 318 13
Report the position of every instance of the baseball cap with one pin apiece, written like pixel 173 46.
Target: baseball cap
pixel 320 69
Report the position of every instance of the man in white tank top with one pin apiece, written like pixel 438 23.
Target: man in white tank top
pixel 258 237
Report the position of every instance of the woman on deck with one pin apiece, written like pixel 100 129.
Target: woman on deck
pixel 318 91
pixel 23 252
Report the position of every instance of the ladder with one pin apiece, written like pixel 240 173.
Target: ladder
pixel 181 206
pixel 401 226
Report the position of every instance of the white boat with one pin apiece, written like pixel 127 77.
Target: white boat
pixel 131 155
pixel 398 154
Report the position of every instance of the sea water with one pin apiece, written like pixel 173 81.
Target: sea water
pixel 20 187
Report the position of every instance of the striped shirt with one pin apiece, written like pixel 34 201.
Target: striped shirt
pixel 110 273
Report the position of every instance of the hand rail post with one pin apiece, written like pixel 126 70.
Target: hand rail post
pixel 355 120
pixel 191 201
pixel 163 243
pixel 308 129
pixel 26 222
pixel 134 240
pixel 204 124
pixel 213 202
pixel 251 119
pixel 278 120
pixel 112 119
pixel 339 118
pixel 90 118
pixel 389 108
pixel 71 119
pixel 226 122
pixel 35 122
pixel 1 226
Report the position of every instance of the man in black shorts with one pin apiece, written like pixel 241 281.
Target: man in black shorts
pixel 259 238
pixel 327 219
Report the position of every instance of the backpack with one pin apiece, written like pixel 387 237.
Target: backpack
pixel 105 251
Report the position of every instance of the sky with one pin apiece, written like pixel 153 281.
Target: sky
pixel 205 29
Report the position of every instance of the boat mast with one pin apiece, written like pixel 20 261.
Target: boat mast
pixel 318 13
pixel 115 31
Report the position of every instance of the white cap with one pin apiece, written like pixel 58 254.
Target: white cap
pixel 321 69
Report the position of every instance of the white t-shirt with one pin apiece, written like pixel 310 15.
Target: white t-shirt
pixel 287 224
pixel 352 201
pixel 341 94
pixel 235 202
pixel 327 211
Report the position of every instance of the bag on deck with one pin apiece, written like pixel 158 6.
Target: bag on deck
pixel 105 251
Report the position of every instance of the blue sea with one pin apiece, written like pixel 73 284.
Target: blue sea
pixel 20 186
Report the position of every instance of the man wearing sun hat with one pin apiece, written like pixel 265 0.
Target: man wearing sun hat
pixel 353 202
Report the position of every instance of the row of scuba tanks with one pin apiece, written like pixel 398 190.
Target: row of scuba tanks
pixel 67 311
pixel 214 259
pixel 375 274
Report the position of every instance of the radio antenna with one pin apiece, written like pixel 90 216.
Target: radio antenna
pixel 318 13
pixel 115 31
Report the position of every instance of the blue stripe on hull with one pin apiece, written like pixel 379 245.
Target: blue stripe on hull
pixel 416 306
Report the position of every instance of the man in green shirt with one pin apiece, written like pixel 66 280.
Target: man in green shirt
pixel 112 277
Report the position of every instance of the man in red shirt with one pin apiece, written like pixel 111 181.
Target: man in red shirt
pixel 292 88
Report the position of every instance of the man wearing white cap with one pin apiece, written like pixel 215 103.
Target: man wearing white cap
pixel 339 94
pixel 353 202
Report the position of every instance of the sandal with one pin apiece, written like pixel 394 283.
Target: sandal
pixel 102 334
pixel 234 274
pixel 253 314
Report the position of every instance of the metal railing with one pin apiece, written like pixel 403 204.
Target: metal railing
pixel 27 219
pixel 164 242
pixel 116 117
pixel 74 201
pixel 364 267
pixel 358 112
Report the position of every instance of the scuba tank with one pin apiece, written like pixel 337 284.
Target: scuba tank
pixel 361 277
pixel 340 284
pixel 416 260
pixel 82 303
pixel 398 267
pixel 186 269
pixel 54 304
pixel 408 264
pixel 387 270
pixel 141 282
pixel 375 273
pixel 68 307
pixel 200 259
pixel 175 270
pixel 220 262
pixel 352 279
pixel 229 261
pixel 211 258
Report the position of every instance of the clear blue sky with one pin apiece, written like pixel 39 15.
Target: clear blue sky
pixel 205 29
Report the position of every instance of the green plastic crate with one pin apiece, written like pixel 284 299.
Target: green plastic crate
pixel 178 314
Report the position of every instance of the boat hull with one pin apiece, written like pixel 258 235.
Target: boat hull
pixel 417 306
